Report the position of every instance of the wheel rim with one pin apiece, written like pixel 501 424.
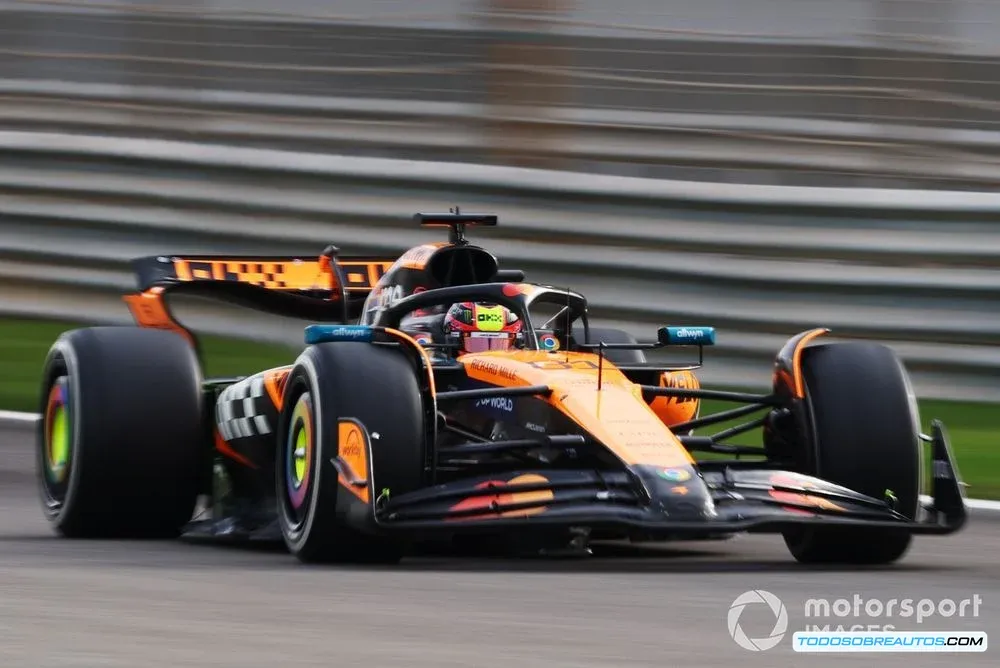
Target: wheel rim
pixel 58 440
pixel 300 462
pixel 59 445
pixel 300 448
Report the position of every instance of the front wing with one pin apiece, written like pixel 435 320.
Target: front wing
pixel 740 499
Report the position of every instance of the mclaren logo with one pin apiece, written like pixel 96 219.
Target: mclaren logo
pixel 681 380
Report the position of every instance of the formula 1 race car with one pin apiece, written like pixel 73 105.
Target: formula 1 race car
pixel 442 398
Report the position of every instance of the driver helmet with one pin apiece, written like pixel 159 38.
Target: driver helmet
pixel 477 327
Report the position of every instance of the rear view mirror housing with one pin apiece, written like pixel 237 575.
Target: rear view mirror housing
pixel 686 336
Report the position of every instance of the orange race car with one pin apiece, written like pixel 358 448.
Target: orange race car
pixel 446 398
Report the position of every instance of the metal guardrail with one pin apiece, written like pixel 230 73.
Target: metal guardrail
pixel 658 145
pixel 872 93
pixel 914 62
pixel 916 269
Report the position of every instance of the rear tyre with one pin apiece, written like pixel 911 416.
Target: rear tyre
pixel 377 390
pixel 119 444
pixel 867 439
pixel 624 357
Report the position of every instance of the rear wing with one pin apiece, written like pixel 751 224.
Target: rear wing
pixel 317 289
pixel 356 275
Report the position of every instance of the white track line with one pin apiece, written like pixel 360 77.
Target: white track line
pixel 983 504
pixel 25 418
pixel 14 416
pixel 975 504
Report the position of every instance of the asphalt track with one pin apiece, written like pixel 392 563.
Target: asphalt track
pixel 149 604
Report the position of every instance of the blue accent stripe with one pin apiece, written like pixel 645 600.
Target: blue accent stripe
pixel 686 336
pixel 330 333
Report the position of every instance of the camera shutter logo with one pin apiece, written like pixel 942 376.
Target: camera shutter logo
pixel 777 609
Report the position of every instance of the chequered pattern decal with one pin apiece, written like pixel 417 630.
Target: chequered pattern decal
pixel 281 274
pixel 240 409
pixel 265 274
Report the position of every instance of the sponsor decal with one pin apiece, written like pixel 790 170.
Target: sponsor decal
pixel 416 257
pixel 499 403
pixel 549 342
pixel 568 365
pixel 680 489
pixel 350 332
pixel 531 426
pixel 689 333
pixel 389 295
pixel 515 289
pixel 327 333
pixel 352 448
pixel 423 339
pixel 493 369
pixel 384 296
pixel 490 318
pixel 681 380
pixel 704 336
pixel 420 312
pixel 675 475
pixel 797 499
pixel 785 479
pixel 493 505
pixel 353 453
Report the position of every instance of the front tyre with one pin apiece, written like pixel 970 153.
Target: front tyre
pixel 342 401
pixel 866 428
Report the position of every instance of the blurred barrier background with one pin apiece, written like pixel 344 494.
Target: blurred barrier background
pixel 898 93
pixel 682 144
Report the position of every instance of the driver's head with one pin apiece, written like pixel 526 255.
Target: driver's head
pixel 477 327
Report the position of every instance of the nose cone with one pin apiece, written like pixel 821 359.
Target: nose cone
pixel 678 492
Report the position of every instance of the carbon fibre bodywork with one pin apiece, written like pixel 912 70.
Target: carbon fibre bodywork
pixel 596 481
pixel 551 439
pixel 603 461
pixel 640 504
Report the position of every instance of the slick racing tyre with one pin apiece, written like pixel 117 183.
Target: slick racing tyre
pixel 867 439
pixel 340 398
pixel 119 444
